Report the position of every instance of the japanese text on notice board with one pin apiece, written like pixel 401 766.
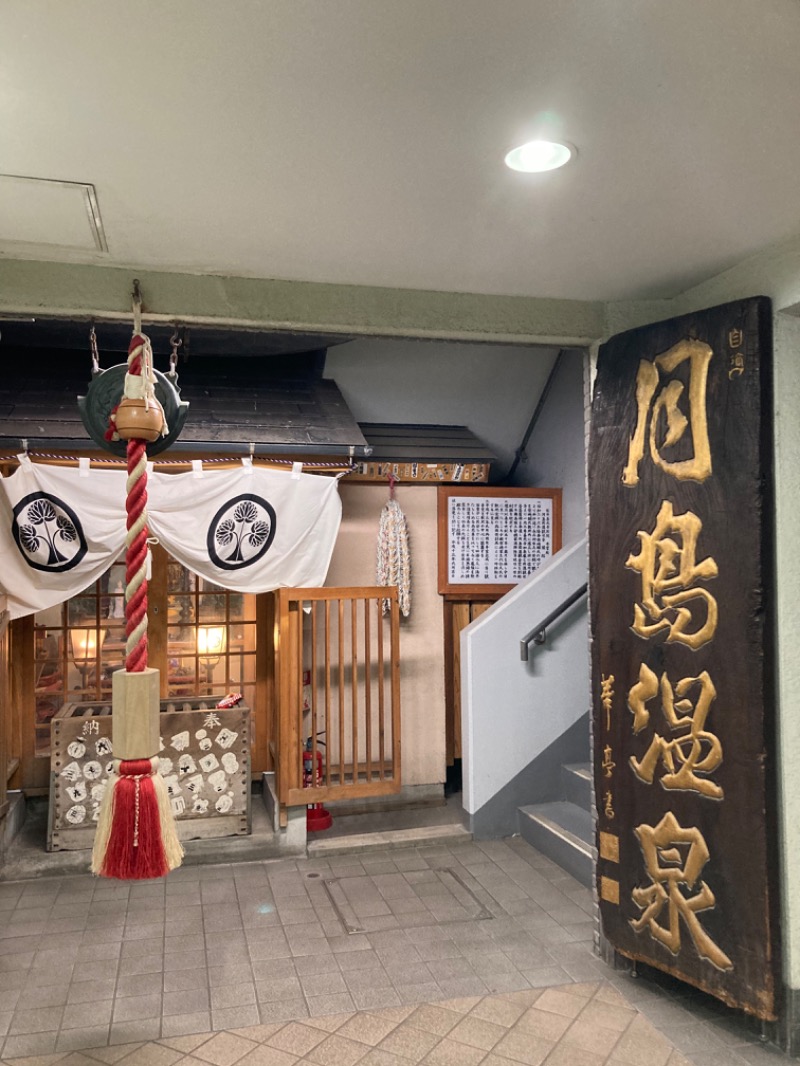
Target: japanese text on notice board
pixel 497 540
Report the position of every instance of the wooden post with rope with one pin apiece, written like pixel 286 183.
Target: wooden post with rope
pixel 136 837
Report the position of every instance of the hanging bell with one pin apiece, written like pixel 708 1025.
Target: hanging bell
pixel 138 419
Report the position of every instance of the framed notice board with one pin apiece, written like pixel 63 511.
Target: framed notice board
pixel 490 539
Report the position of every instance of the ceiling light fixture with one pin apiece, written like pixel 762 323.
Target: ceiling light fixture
pixel 537 156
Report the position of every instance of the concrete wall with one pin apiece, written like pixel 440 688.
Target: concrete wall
pixel 490 389
pixel 555 451
pixel 513 711
pixel 421 634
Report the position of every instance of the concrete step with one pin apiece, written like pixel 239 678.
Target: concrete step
pixel 564 833
pixel 576 784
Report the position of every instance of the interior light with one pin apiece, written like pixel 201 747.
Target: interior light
pixel 211 642
pixel 537 156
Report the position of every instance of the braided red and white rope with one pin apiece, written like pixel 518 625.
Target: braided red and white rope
pixel 136 537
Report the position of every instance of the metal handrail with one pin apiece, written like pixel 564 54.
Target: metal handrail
pixel 538 635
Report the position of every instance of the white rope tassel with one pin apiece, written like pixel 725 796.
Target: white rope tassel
pixel 394 557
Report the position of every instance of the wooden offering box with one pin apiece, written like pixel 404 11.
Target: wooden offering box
pixel 205 762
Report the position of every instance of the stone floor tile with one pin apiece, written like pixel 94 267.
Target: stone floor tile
pixel 499 1010
pixel 607 993
pixel 81 1039
pixel 140 984
pixel 409 1042
pixel 323 984
pixel 569 1055
pixel 560 1001
pixel 307 965
pixel 133 1008
pixel 264 1055
pixel 329 1023
pixel 435 1019
pixel 296 1038
pixel 186 1044
pixel 77 1058
pixel 233 995
pixel 519 1045
pixel 544 1023
pixel 642 1043
pixel 506 982
pixel 424 993
pixel 270 991
pixel 378 1057
pixel 179 1024
pixel 137 1030
pixel 451 1053
pixel 477 1032
pixel 152 1054
pixel 373 998
pixel 348 961
pixel 259 1034
pixel 283 1010
pixel 608 1015
pixel 338 1003
pixel 372 978
pixel 230 973
pixel 112 1054
pixel 35 1020
pixel 181 960
pixel 336 1050
pixel 224 1049
pixel 235 1017
pixel 138 965
pixel 29 1044
pixel 588 1036
pixel 367 1028
pixel 458 987
pixel 184 980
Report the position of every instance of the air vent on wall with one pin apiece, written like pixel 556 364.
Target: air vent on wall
pixel 57 214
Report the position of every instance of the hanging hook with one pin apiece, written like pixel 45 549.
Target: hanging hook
pixel 136 300
pixel 175 343
pixel 95 352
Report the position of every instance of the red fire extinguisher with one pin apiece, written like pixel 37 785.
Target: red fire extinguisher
pixel 317 817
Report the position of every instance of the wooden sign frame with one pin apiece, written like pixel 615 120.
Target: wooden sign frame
pixel 681 586
pixel 481 589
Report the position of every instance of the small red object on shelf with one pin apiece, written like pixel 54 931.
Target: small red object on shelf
pixel 230 700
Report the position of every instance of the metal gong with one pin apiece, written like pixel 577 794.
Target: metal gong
pixel 105 392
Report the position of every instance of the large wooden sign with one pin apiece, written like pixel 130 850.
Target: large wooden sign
pixel 683 710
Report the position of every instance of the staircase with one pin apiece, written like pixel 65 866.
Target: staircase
pixel 562 829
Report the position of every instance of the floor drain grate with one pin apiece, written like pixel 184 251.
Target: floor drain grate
pixel 444 896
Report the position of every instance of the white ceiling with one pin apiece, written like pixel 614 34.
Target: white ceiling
pixel 361 141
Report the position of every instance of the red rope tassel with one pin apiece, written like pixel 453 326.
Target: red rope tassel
pixel 135 850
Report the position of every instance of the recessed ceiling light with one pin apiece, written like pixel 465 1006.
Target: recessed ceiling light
pixel 536 156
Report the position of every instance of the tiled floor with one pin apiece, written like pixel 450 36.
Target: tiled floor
pixel 476 953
